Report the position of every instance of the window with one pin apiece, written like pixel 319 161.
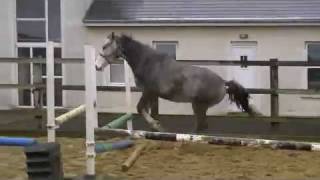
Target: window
pixel 117 73
pixel 38 21
pixel 167 47
pixel 243 58
pixel 33 20
pixel 313 50
pixel 26 74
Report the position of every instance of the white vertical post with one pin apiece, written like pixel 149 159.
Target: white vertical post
pixel 91 109
pixel 46 15
pixel 50 92
pixel 128 93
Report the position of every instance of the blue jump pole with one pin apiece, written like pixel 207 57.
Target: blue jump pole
pixel 17 141
pixel 103 147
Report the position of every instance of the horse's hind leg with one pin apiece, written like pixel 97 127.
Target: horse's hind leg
pixel 143 108
pixel 200 111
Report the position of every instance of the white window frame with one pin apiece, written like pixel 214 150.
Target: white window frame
pixel 307 43
pixel 176 43
pixel 31 19
pixel 107 75
pixel 32 45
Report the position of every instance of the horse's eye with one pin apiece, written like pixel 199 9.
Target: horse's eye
pixel 104 46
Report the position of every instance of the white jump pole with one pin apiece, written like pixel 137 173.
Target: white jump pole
pixel 50 92
pixel 70 115
pixel 128 93
pixel 91 111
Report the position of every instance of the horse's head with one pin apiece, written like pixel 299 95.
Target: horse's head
pixel 110 52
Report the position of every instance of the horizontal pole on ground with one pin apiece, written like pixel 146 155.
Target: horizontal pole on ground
pixel 119 122
pixel 70 114
pixel 103 147
pixel 133 157
pixel 218 140
pixel 17 141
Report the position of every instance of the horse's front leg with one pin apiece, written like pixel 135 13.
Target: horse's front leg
pixel 143 108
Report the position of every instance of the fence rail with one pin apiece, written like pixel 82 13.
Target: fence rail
pixel 188 62
pixel 250 90
pixel 21 86
pixel 41 60
pixel 249 63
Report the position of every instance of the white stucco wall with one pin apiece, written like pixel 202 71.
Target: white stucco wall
pixel 73 40
pixel 8 97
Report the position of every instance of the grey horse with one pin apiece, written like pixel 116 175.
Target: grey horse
pixel 159 75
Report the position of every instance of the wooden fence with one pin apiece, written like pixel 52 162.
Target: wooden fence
pixel 274 90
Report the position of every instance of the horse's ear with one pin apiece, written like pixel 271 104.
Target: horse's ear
pixel 112 35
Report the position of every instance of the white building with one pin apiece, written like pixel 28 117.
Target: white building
pixel 204 29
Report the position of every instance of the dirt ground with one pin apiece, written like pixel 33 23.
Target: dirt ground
pixel 168 160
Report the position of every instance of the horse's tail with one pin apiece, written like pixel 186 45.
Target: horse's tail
pixel 239 95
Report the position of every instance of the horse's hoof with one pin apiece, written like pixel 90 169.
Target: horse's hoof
pixel 154 130
pixel 158 129
pixel 161 129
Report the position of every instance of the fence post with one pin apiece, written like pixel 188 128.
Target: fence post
pixel 50 93
pixel 128 93
pixel 274 84
pixel 91 107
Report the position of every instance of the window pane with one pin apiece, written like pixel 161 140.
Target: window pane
pixel 57 91
pixel 57 67
pixel 314 52
pixel 54 20
pixel 24 52
pixel 30 9
pixel 31 31
pixel 24 97
pixel 117 73
pixel 37 73
pixel 314 78
pixel 39 52
pixel 24 69
pixel 167 48
pixel 24 78
pixel 57 53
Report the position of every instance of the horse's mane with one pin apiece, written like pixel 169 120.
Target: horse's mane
pixel 129 41
pixel 138 46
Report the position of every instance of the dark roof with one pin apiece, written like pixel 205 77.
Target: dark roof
pixel 203 11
